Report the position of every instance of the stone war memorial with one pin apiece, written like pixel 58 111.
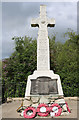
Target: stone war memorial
pixel 44 86
pixel 43 81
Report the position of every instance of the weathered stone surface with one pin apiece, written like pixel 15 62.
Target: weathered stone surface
pixel 64 113
pixel 27 98
pixel 60 97
pixel 35 99
pixel 35 105
pixel 62 101
pixel 52 101
pixel 27 103
pixel 9 100
pixel 56 98
pixel 44 100
pixel 71 98
pixel 15 99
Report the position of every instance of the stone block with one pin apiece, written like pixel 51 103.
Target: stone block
pixel 9 100
pixel 44 100
pixel 60 97
pixel 27 103
pixel 18 99
pixel 27 98
pixel 35 105
pixel 64 113
pixel 59 101
pixel 35 99
pixel 52 101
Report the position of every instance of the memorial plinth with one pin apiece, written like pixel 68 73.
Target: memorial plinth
pixel 43 81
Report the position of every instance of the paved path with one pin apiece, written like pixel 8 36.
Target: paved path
pixel 9 109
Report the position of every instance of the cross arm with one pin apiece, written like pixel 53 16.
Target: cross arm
pixel 35 22
pixel 51 22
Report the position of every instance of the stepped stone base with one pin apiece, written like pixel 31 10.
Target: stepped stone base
pixel 34 101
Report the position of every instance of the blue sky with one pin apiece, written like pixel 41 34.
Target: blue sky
pixel 16 21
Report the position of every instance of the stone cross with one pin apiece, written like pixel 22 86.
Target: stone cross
pixel 43 81
pixel 43 58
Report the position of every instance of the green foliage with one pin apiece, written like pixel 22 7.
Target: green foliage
pixel 67 65
pixel 0 67
pixel 21 64
pixel 63 61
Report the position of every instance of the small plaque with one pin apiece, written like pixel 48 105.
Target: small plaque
pixel 44 86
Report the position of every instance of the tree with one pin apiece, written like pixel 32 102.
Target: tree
pixel 20 64
pixel 67 65
pixel 64 58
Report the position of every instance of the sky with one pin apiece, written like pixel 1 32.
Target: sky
pixel 17 16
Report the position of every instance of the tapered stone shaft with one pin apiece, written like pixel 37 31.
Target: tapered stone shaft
pixel 43 57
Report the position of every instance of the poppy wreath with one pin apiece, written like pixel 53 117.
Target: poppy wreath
pixel 56 109
pixel 67 107
pixel 43 110
pixel 29 109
